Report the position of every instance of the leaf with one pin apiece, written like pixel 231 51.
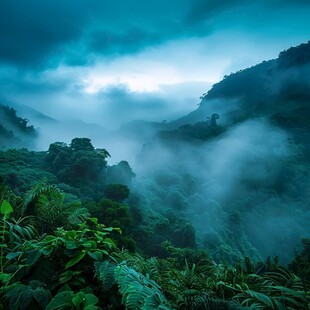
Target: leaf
pixel 6 208
pixel 49 239
pixel 286 290
pixel 78 299
pixel 5 277
pixel 263 298
pixel 93 220
pixel 95 255
pixel 91 307
pixel 61 300
pixel 64 288
pixel 109 229
pixel 87 245
pixel 47 250
pixel 66 276
pixel 70 245
pixel 13 255
pixel 91 299
pixel 75 259
pixel 33 257
pixel 118 230
pixel 42 296
pixel 26 297
pixel 110 243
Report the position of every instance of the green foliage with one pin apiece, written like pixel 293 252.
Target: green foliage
pixel 77 163
pixel 5 210
pixel 197 133
pixel 19 231
pixel 81 144
pixel 22 168
pixel 105 273
pixel 31 296
pixel 82 268
pixel 70 300
pixel 120 174
pixel 54 256
pixel 151 234
pixel 300 265
pixel 208 303
pixel 47 203
pixel 112 213
pixel 116 192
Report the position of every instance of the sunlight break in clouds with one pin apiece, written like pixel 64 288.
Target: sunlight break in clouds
pixel 136 81
pixel 156 67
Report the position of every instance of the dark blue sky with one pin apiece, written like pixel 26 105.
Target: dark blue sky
pixel 147 59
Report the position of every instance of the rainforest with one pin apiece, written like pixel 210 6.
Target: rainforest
pixel 154 163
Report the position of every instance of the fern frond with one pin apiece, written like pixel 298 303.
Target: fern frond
pixel 209 303
pixel 78 216
pixel 138 290
pixel 105 273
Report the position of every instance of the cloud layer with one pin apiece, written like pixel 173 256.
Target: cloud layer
pixel 54 53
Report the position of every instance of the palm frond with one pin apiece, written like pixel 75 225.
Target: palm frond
pixel 37 192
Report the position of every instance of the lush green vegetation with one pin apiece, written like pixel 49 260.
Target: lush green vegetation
pixel 215 218
pixel 81 172
pixel 57 253
pixel 55 256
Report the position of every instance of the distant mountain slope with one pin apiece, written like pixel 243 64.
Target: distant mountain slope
pixel 277 88
pixel 31 113
pixel 245 152
pixel 14 130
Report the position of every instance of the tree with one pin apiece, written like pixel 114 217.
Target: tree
pixel 116 192
pixel 214 117
pixel 81 144
pixel 301 263
pixel 120 173
pixel 78 163
pixel 58 155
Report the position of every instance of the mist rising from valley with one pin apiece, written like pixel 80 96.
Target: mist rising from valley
pixel 235 177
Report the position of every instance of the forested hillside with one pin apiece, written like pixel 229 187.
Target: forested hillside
pixel 14 130
pixel 275 88
pixel 212 214
pixel 239 166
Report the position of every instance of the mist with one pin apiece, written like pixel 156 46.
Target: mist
pixel 236 172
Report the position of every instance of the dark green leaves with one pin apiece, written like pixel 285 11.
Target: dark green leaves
pixel 61 301
pixel 75 259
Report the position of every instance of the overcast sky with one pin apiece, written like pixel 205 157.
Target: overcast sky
pixel 114 61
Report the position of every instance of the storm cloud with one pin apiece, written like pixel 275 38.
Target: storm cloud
pixel 135 57
pixel 46 33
